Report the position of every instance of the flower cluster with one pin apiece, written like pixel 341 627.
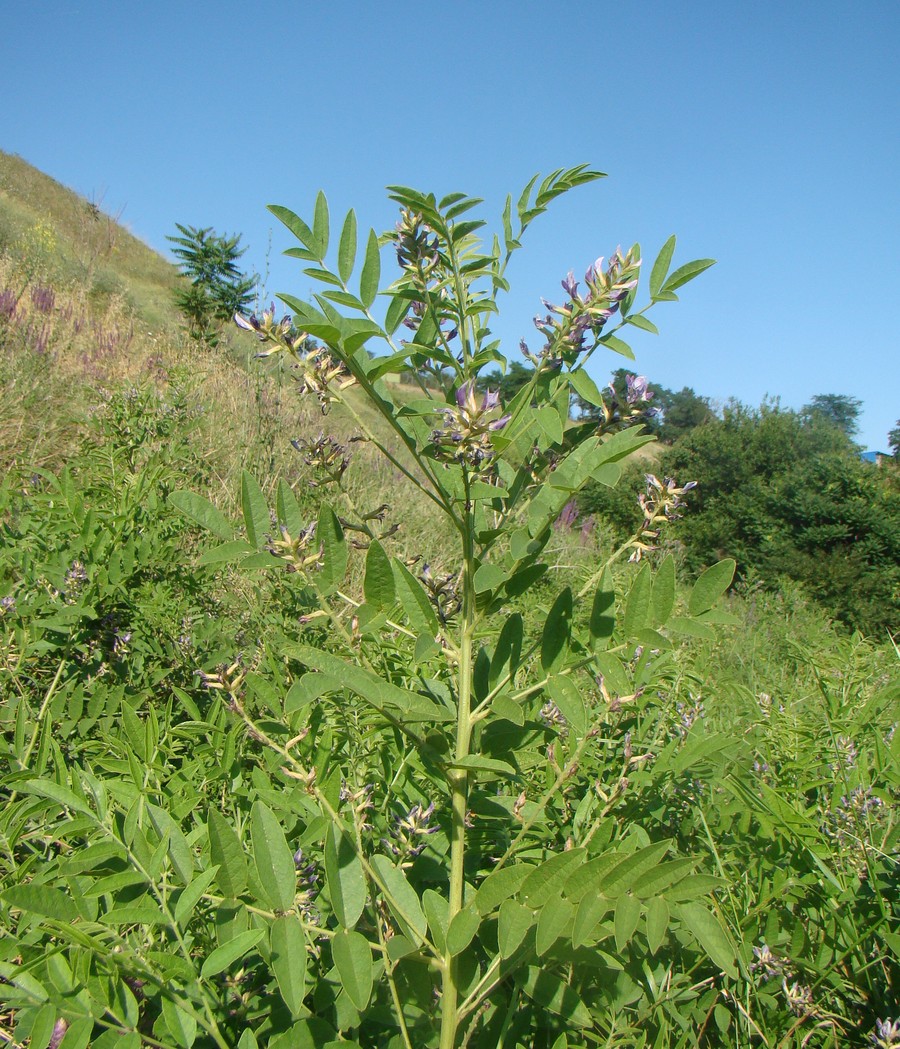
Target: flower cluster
pixel 299 552
pixel 566 327
pixel 407 834
pixel 886 1034
pixel 316 370
pixel 443 593
pixel 771 966
pixel 266 328
pixel 466 432
pixel 417 245
pixel 326 456
pixel 307 886
pixel 661 503
pixel 612 413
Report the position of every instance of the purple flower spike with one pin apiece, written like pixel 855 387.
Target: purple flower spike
pixel 637 389
pixel 464 392
pixel 490 400
pixel 570 285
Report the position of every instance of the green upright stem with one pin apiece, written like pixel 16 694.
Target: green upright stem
pixel 459 783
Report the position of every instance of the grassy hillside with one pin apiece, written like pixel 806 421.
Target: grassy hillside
pixel 70 237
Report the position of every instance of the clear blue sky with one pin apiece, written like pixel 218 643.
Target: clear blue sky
pixel 766 135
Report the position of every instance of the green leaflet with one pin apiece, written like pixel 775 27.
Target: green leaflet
pixel 353 961
pixel 380 694
pixel 637 605
pixel 287 943
pixel 378 585
pixel 255 510
pixel 627 915
pixel 345 877
pixel 555 995
pixel 657 923
pixel 402 899
pixel 463 929
pixel 230 951
pixel 711 935
pixel 555 637
pixel 227 852
pixel 272 858
pixel 330 535
pixel 41 899
pixel 710 586
pixel 203 513
pixel 514 922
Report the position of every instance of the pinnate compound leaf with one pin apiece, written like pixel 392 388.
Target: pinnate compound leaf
pixel 273 859
pixel 230 951
pixel 711 585
pixel 711 936
pixel 226 851
pixel 287 942
pixel 202 512
pixel 345 877
pixel 353 961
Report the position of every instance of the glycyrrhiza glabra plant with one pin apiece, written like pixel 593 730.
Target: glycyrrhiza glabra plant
pixel 435 846
pixel 439 666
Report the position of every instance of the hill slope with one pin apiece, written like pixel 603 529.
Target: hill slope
pixel 50 225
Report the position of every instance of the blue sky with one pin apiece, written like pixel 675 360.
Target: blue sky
pixel 766 135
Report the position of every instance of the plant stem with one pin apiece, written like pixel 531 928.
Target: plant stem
pixel 459 779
